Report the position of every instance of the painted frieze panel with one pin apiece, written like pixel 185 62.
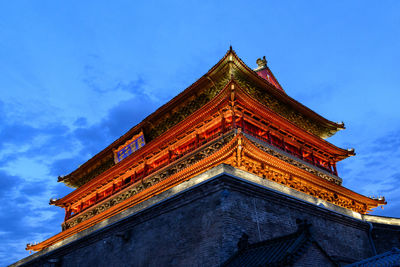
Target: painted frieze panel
pixel 132 145
pixel 151 180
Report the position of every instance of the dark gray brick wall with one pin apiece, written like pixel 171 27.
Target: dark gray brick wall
pixel 201 227
pixel 339 236
pixel 385 237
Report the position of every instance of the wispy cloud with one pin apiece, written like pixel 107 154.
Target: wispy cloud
pixel 33 156
pixel 374 170
pixel 72 82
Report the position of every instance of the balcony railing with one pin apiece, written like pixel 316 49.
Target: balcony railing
pixel 283 146
pixel 150 170
pixel 173 156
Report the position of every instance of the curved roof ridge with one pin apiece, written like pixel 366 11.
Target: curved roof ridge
pixel 284 96
pixel 229 57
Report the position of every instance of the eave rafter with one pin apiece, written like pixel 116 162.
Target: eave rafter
pixel 225 69
pixel 281 95
pixel 239 152
pixel 197 168
pixel 180 129
pixel 246 100
pixel 261 163
pixel 231 94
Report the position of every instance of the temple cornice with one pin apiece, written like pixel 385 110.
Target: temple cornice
pixel 234 149
pixel 185 128
pixel 248 101
pixel 196 96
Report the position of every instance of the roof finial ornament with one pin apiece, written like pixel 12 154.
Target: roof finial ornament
pixel 262 63
pixel 230 48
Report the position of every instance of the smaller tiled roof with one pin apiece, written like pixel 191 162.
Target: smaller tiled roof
pixel 387 259
pixel 279 251
pixel 264 72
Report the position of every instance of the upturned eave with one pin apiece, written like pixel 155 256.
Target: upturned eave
pixel 240 153
pixel 191 122
pixel 280 94
pixel 228 62
pixel 205 79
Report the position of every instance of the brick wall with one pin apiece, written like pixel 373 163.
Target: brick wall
pixel 201 227
pixel 385 237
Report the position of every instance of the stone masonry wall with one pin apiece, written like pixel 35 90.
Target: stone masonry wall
pixel 385 237
pixel 201 227
pixel 264 217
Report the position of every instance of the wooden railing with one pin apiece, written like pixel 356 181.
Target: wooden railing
pixel 199 141
pixel 148 170
pixel 285 147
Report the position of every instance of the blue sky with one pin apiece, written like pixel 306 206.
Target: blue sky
pixel 75 76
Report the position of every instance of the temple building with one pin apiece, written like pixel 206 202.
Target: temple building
pixel 233 172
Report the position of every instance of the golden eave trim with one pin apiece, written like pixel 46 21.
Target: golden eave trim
pixel 233 153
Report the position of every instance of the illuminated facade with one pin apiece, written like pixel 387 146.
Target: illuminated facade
pixel 232 115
